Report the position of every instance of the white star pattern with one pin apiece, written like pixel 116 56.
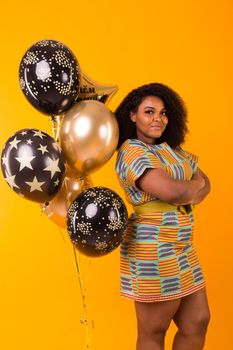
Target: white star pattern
pixel 43 149
pixel 56 183
pixel 11 181
pixel 53 167
pixel 38 133
pixel 4 160
pixel 23 133
pixel 25 162
pixel 14 143
pixel 35 185
pixel 29 141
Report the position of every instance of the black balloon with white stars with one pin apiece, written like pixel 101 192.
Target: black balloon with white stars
pixel 97 221
pixel 49 76
pixel 33 165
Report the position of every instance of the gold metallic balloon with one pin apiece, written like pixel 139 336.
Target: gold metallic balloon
pixel 56 210
pixel 88 135
pixel 89 89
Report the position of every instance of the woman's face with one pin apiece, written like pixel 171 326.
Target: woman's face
pixel 151 119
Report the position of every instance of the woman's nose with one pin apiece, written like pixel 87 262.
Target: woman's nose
pixel 156 117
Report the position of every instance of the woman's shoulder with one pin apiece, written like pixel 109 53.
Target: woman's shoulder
pixel 187 154
pixel 132 144
pixel 131 150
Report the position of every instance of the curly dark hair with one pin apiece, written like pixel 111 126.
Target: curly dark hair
pixel 176 129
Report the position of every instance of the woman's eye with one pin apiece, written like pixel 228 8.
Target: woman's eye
pixel 164 113
pixel 149 111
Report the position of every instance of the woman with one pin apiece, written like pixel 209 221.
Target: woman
pixel 160 270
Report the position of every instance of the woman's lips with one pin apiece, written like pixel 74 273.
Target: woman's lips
pixel 159 127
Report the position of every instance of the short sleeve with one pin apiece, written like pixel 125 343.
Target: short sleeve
pixel 135 159
pixel 193 159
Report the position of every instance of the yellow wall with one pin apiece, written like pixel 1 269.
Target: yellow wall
pixel 185 44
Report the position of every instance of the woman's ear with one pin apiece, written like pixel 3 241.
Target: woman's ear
pixel 132 116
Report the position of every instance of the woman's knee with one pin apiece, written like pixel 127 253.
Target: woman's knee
pixel 155 328
pixel 197 324
pixel 156 332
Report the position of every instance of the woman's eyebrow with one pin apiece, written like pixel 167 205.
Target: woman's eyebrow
pixel 153 107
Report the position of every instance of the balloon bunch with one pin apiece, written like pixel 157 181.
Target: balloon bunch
pixel 56 175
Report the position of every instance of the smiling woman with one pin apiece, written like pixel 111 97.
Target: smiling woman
pixel 150 118
pixel 160 270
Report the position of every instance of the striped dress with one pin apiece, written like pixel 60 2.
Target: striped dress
pixel 158 261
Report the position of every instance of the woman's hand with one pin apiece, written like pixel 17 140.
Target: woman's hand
pixel 204 190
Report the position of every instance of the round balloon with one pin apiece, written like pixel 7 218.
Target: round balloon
pixel 97 221
pixel 88 135
pixel 33 165
pixel 56 210
pixel 49 76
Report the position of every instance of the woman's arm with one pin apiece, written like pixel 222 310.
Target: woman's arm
pixel 204 191
pixel 159 184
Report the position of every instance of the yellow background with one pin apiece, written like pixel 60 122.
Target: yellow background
pixel 185 44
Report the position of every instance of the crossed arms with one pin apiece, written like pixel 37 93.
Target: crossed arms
pixel 159 184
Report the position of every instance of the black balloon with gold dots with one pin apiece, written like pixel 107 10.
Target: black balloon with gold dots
pixel 49 76
pixel 97 221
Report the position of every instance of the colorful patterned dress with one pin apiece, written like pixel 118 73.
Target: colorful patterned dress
pixel 158 260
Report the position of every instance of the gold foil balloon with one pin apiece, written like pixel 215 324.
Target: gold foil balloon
pixel 88 135
pixel 89 89
pixel 56 210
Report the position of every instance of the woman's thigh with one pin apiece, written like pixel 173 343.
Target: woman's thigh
pixel 156 316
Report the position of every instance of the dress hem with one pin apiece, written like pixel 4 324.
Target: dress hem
pixel 165 297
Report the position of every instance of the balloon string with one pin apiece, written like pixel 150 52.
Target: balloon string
pixel 89 324
pixel 66 190
pixel 56 121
